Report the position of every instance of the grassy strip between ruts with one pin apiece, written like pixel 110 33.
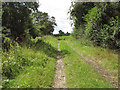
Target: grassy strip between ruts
pixel 106 58
pixel 79 73
pixel 34 66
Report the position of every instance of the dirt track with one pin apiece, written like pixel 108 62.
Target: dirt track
pixel 59 80
pixel 103 72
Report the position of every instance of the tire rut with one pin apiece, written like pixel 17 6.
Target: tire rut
pixel 99 69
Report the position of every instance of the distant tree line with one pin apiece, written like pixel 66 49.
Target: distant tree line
pixel 61 33
pixel 97 21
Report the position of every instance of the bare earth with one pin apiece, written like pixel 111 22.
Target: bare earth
pixel 59 80
pixel 103 72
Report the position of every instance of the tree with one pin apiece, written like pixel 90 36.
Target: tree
pixel 16 17
pixel 78 10
pixel 46 24
pixel 67 33
pixel 97 21
pixel 61 32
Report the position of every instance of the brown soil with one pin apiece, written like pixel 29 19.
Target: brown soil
pixel 103 72
pixel 59 80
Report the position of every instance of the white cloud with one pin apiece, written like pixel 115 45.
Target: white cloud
pixel 58 9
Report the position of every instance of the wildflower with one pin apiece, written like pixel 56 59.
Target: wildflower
pixel 17 38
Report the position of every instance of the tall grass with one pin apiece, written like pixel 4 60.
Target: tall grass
pixel 30 67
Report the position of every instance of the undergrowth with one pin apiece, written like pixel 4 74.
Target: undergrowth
pixel 30 66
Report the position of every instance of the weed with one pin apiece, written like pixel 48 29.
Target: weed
pixel 30 67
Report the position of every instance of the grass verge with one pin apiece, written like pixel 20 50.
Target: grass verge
pixel 79 73
pixel 106 58
pixel 30 67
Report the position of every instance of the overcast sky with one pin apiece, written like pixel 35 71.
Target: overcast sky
pixel 58 9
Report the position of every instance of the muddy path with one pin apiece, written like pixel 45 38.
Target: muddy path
pixel 103 72
pixel 59 79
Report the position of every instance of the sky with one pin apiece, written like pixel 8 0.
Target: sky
pixel 58 9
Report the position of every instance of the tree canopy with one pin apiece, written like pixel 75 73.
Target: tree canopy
pixel 23 20
pixel 16 15
pixel 97 21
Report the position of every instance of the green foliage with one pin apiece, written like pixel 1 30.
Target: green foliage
pixel 61 32
pixel 24 51
pixel 6 40
pixel 63 37
pixel 15 15
pixel 93 25
pixel 106 58
pixel 67 33
pixel 24 21
pixel 44 23
pixel 98 22
pixel 32 66
pixel 110 33
pixel 21 22
pixel 79 73
pixel 13 61
pixel 78 10
pixel 43 46
pixel 78 33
